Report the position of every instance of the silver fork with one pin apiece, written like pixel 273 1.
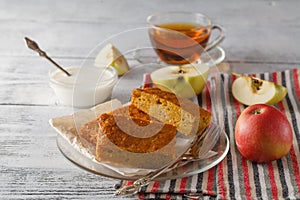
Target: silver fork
pixel 211 134
pixel 200 151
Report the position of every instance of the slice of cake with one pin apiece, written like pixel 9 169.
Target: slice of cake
pixel 166 107
pixel 135 142
pixel 89 131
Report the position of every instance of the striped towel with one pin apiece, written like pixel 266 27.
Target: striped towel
pixel 235 177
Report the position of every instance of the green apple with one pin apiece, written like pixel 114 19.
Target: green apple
pixel 249 90
pixel 185 80
pixel 110 55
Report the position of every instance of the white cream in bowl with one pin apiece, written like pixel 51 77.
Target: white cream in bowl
pixel 86 87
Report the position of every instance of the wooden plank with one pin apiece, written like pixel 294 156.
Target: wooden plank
pixel 25 80
pixel 32 166
pixel 27 140
pixel 47 183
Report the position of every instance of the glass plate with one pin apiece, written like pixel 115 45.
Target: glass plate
pixel 219 152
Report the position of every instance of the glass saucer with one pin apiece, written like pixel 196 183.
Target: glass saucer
pixel 213 57
pixel 218 152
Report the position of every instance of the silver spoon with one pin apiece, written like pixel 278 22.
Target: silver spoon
pixel 35 47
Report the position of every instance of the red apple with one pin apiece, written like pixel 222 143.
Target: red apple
pixel 263 133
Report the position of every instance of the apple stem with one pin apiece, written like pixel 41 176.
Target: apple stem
pixel 256 112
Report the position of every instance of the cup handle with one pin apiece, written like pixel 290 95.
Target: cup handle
pixel 217 40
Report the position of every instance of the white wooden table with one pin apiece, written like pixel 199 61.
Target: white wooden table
pixel 260 36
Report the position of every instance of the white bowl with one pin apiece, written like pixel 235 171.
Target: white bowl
pixel 86 87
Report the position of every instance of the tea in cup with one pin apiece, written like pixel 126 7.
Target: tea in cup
pixel 181 37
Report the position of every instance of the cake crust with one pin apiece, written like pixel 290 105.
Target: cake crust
pixel 90 130
pixel 123 148
pixel 126 137
pixel 188 117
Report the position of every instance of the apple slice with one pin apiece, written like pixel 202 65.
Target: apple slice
pixel 110 55
pixel 281 91
pixel 249 90
pixel 185 80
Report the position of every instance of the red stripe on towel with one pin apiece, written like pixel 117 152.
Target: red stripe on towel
pixel 129 183
pixel 221 181
pixel 147 81
pixel 274 77
pixel 207 97
pixel 272 181
pixel 141 196
pixel 155 186
pixel 246 179
pixel 210 180
pixel 296 82
pixel 168 196
pixel 182 188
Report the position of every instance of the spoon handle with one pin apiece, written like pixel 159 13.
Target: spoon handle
pixel 35 47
